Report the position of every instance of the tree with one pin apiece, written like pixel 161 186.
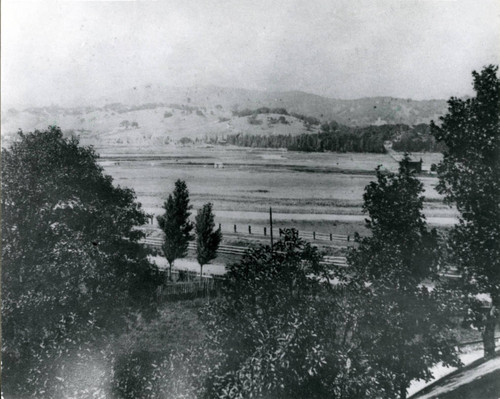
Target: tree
pixel 403 324
pixel 469 177
pixel 281 330
pixel 207 239
pixel 175 224
pixel 72 265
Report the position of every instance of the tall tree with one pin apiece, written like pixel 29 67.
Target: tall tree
pixel 403 324
pixel 207 238
pixel 176 225
pixel 469 177
pixel 283 331
pixel 71 260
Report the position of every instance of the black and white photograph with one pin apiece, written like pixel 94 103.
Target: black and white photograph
pixel 251 199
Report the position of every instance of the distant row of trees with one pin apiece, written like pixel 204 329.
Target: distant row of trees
pixel 418 139
pixel 341 138
pixel 308 120
pixel 126 124
pixel 312 142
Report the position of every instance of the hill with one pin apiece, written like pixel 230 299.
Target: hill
pixel 150 124
pixel 359 112
pixel 154 115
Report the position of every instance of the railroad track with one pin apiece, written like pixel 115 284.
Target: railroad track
pixel 240 251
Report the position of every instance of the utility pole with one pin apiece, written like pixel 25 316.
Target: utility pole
pixel 271 222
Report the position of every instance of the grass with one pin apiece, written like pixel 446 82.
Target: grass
pixel 254 180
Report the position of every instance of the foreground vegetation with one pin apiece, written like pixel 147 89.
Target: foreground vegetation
pixel 72 265
pixel 78 290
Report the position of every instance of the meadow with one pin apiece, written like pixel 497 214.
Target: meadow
pixel 313 191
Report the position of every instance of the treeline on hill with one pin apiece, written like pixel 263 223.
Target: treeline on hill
pixel 417 139
pixel 308 120
pixel 340 138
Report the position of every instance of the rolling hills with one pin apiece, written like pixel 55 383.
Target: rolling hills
pixel 153 116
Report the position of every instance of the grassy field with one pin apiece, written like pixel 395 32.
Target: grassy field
pixel 253 180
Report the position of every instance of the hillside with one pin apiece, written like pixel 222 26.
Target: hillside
pixel 154 115
pixel 149 124
pixel 359 112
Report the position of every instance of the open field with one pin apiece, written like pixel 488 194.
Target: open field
pixel 312 191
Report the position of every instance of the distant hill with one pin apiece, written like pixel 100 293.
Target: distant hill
pixel 156 115
pixel 359 112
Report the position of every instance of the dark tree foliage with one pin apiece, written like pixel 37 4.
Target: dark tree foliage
pixel 339 138
pixel 71 260
pixel 404 325
pixel 469 177
pixel 207 238
pixel 175 223
pixel 185 140
pixel 312 142
pixel 282 330
pixel 417 139
pixel 262 110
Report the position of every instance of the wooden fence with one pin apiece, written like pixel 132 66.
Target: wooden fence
pixel 265 232
pixel 204 287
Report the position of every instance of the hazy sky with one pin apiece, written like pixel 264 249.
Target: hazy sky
pixel 54 52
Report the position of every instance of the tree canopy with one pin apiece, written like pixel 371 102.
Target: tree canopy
pixel 281 330
pixel 403 323
pixel 175 223
pixel 70 255
pixel 207 238
pixel 469 177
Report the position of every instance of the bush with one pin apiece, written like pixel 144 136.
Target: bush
pixel 281 330
pixel 252 120
pixel 185 140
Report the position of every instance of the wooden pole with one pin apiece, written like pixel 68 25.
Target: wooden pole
pixel 271 223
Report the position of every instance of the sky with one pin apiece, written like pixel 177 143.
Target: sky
pixel 72 52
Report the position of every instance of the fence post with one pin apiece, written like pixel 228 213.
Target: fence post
pixel 235 228
pixel 219 226
pixel 348 238
pixel 249 229
pixel 331 237
pixel 280 232
pixel 314 235
pixel 264 231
